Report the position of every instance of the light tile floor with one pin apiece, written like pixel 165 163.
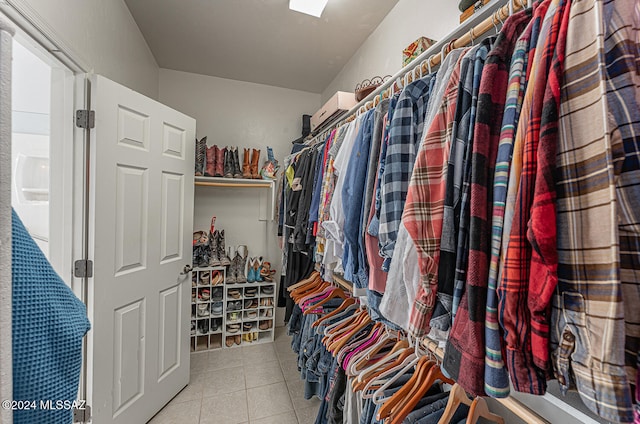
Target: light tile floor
pixel 249 385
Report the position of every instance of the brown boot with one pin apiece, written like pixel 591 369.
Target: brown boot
pixel 210 166
pixel 246 169
pixel 219 168
pixel 255 160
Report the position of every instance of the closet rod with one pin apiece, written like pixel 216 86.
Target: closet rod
pixel 512 404
pixel 487 18
pixel 231 185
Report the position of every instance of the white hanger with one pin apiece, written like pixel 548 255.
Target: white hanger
pixel 365 355
pixel 378 395
pixel 510 7
pixel 380 364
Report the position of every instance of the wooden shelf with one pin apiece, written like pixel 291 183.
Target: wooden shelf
pixel 267 199
pixel 232 182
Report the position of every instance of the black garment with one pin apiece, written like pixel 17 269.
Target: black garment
pixel 336 398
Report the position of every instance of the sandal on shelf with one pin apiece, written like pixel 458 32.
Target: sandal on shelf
pixel 229 341
pixel 205 294
pixel 216 278
pixel 203 310
pixel 266 272
pixel 238 339
pixel 205 277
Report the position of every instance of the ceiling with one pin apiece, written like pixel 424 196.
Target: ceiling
pixel 260 41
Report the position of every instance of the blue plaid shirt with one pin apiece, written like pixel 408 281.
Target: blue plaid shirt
pixel 405 135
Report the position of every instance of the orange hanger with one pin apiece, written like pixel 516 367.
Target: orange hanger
pixel 375 374
pixel 345 328
pixel 335 293
pixel 418 392
pixel 339 328
pixel 348 301
pixel 302 297
pixel 309 279
pixel 339 344
pixel 399 396
pixel 479 408
pixel 457 396
pixel 311 287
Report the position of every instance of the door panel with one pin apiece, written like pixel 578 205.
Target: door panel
pixel 132 193
pixel 141 195
pixel 129 353
pixel 169 319
pixel 172 211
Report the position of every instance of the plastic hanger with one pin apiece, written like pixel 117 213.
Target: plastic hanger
pixel 410 363
pixel 393 358
pixel 339 344
pixel 315 291
pixel 336 292
pixel 374 378
pixel 347 302
pixel 359 360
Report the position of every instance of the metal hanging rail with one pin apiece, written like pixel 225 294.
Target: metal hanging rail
pixel 488 18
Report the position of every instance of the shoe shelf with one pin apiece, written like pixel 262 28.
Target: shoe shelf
pixel 248 331
pixel 207 308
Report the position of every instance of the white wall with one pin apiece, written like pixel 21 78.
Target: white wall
pixel 239 114
pixel 381 53
pixel 104 35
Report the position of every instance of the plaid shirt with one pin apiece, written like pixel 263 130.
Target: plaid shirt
pixel 425 204
pixel 405 134
pixel 496 379
pixel 441 319
pixel 597 195
pixel 512 291
pixel 465 347
pixel 623 97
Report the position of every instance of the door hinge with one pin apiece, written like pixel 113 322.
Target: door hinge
pixel 85 118
pixel 82 415
pixel 83 268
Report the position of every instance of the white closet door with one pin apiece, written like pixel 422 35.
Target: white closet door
pixel 141 195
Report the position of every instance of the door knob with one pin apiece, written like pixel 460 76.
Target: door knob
pixel 187 269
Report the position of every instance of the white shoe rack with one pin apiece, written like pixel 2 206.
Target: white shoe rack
pixel 254 311
pixel 207 326
pixel 210 330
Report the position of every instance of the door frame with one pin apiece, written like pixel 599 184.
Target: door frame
pixel 32 29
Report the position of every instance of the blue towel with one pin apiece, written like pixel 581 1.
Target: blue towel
pixel 49 322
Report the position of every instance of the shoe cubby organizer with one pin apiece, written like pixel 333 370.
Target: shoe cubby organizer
pixel 225 315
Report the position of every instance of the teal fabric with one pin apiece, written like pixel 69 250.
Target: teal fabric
pixel 48 325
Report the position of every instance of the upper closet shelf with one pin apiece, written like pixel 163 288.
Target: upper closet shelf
pixel 233 182
pixel 268 205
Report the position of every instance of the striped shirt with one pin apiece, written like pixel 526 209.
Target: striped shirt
pixel 496 382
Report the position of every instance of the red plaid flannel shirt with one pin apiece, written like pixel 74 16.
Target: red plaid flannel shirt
pixel 424 206
pixel 527 318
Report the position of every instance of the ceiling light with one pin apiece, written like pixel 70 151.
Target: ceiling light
pixel 310 7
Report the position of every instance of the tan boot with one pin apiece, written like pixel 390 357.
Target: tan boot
pixel 255 160
pixel 246 167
